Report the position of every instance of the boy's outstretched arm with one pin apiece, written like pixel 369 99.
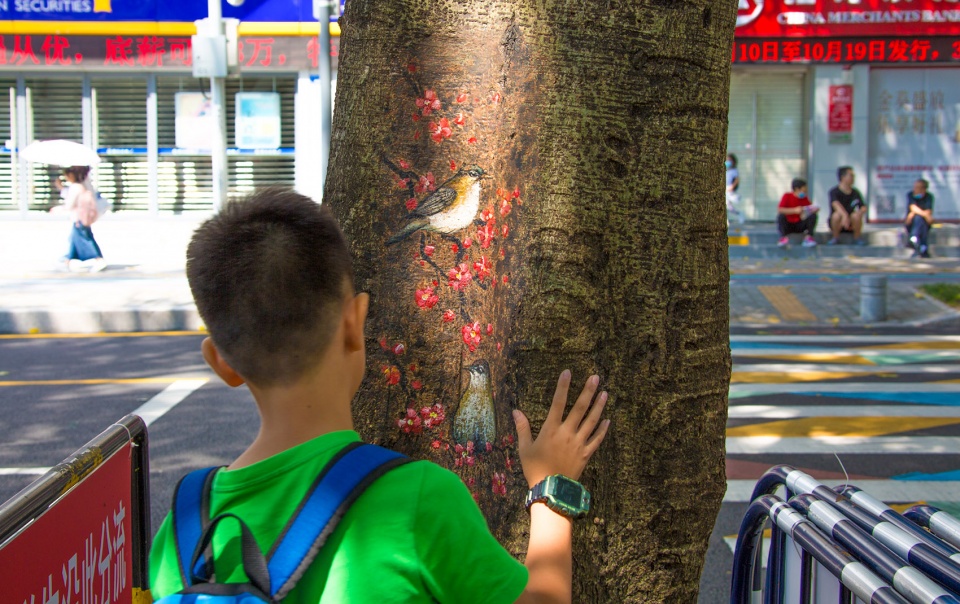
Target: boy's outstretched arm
pixel 563 446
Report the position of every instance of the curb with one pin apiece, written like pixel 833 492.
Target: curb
pixel 61 321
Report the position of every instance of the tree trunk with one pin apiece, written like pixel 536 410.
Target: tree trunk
pixel 533 186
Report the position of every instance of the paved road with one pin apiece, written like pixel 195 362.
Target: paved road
pixel 879 410
pixel 883 401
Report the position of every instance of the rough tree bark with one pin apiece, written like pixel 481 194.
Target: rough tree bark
pixel 536 185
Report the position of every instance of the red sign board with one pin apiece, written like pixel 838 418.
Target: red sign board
pixel 80 550
pixel 840 113
pixel 846 18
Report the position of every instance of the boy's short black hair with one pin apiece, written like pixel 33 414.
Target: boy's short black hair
pixel 842 171
pixel 798 183
pixel 269 274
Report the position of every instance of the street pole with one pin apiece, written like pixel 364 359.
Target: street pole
pixel 326 102
pixel 218 97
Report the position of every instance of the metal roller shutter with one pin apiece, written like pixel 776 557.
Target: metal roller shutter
pixel 766 132
pixel 56 111
pixel 120 134
pixel 8 96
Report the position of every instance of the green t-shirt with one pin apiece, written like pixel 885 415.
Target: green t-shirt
pixel 415 535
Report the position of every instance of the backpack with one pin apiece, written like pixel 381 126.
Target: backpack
pixel 87 210
pixel 271 578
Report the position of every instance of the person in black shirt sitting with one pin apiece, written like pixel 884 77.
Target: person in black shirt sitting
pixel 919 217
pixel 847 208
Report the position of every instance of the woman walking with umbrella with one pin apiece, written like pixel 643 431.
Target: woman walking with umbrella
pixel 80 198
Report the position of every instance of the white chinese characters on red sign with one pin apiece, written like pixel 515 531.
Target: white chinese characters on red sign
pixel 837 18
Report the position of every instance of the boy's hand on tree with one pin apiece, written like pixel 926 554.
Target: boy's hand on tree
pixel 563 446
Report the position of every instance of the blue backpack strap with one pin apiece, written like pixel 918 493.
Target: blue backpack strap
pixel 191 517
pixel 340 483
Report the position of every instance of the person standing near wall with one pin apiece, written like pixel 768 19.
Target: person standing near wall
pixel 919 217
pixel 733 185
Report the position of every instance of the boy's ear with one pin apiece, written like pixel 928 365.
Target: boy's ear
pixel 354 317
pixel 219 365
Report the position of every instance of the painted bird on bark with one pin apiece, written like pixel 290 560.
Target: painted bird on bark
pixel 451 208
pixel 476 419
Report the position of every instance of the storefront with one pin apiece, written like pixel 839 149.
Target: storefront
pixel 873 84
pixel 109 73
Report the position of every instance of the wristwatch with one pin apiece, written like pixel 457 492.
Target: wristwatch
pixel 563 495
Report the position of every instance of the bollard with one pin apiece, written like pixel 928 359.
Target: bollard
pixel 873 298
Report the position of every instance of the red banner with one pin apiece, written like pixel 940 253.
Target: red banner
pixel 844 18
pixel 80 550
pixel 840 114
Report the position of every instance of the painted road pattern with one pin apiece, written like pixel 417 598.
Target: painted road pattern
pixel 883 409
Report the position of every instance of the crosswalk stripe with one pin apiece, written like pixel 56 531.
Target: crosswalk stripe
pixel 847 445
pixel 796 388
pixel 797 411
pixel 23 471
pixel 739 491
pixel 828 425
pixel 169 398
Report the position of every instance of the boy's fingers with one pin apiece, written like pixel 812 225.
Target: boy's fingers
pixel 583 401
pixel 555 415
pixel 524 439
pixel 594 443
pixel 593 418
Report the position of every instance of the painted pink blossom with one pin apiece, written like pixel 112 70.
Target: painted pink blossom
pixel 411 204
pixel 435 444
pixel 496 97
pixel 391 374
pixel 499 484
pixel 485 235
pixel 472 140
pixel 429 103
pixel 462 97
pixel 399 349
pixel 460 120
pixel 488 216
pixel 411 422
pixel 505 207
pixel 426 298
pixel 448 316
pixel 471 335
pixel 506 231
pixel 459 276
pixel 433 416
pixel 482 267
pixel 416 384
pixel 427 183
pixel 404 164
pixel 489 329
pixel 441 130
pixel 453 166
pixel 467 243
pixel 428 250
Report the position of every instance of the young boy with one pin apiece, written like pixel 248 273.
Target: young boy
pixel 797 215
pixel 272 279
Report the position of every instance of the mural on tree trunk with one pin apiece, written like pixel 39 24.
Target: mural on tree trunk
pixel 457 234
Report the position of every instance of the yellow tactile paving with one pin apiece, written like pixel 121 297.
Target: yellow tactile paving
pixel 933 345
pixel 841 426
pixel 814 357
pixel 789 377
pixel 787 304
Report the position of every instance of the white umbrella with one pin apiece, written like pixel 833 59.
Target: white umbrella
pixel 60 153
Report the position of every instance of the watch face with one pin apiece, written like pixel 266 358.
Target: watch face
pixel 568 492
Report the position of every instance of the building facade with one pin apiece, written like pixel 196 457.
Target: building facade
pixel 873 84
pixel 117 75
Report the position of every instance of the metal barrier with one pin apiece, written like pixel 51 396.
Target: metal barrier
pixel 80 533
pixel 842 545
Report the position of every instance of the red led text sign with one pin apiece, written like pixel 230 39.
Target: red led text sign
pixel 847 18
pixel 848 50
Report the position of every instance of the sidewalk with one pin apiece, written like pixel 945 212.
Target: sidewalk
pixel 144 287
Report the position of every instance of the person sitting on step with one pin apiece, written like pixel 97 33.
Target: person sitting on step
pixel 797 215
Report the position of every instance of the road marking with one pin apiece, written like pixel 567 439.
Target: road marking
pixel 826 389
pixel 834 339
pixel 23 471
pixel 847 445
pixel 785 377
pixel 797 411
pixel 81 336
pixel 93 381
pixel 171 396
pixel 833 369
pixel 787 304
pixel 739 491
pixel 149 412
pixel 840 426
pixel 811 357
